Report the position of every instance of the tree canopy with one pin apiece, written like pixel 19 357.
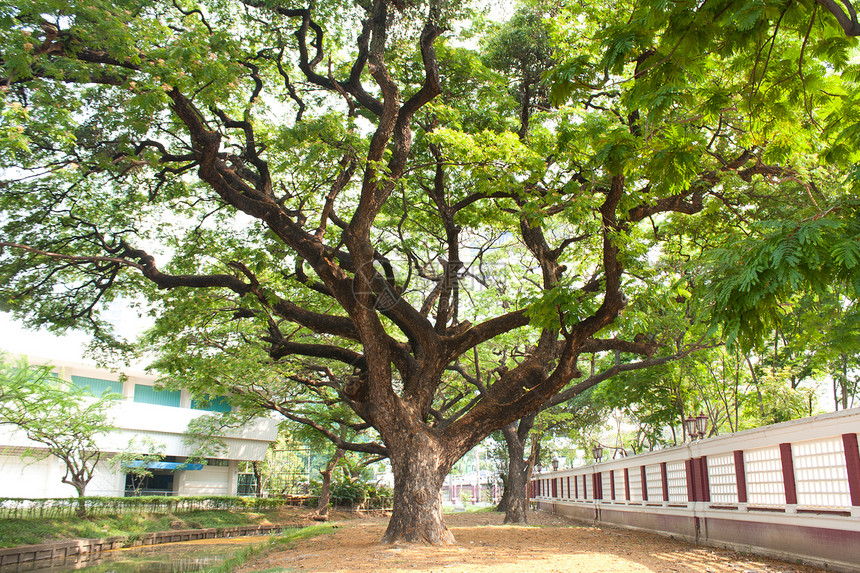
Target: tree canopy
pixel 386 198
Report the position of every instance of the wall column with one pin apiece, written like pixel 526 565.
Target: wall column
pixel 788 477
pixel 644 483
pixel 852 463
pixel 740 476
pixel 690 471
pixel 612 484
pixel 664 479
pixel 627 484
pixel 704 482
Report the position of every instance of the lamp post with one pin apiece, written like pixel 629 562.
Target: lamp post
pixel 555 464
pixel 597 452
pixel 538 467
pixel 696 427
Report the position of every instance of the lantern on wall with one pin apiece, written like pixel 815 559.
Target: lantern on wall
pixel 696 427
pixel 690 427
pixel 702 424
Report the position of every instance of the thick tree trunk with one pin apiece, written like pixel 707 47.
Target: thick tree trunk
pixel 515 451
pixel 502 506
pixel 514 499
pixel 419 472
pixel 516 510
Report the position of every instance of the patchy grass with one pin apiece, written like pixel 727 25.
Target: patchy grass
pixel 280 542
pixel 14 532
pixel 451 509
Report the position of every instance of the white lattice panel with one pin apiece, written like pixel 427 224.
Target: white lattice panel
pixel 654 477
pixel 620 491
pixel 764 476
pixel 820 473
pixel 677 479
pixel 607 485
pixel 722 478
pixel 635 484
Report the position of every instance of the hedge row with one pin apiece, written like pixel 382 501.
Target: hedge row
pixel 11 507
pixel 383 503
pixel 30 508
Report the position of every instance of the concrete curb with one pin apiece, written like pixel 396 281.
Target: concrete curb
pixel 81 549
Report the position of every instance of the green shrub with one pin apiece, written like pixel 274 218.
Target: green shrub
pixel 353 494
pixel 28 508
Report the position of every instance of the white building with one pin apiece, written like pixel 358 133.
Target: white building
pixel 162 416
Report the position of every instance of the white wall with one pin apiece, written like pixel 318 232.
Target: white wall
pixel 43 478
pixel 163 424
pixel 211 480
pixel 107 480
pixel 29 478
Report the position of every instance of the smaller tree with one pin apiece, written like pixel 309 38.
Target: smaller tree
pixel 64 419
pixel 325 487
pixel 137 459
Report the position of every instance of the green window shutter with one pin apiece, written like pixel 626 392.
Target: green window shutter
pixel 97 386
pixel 148 395
pixel 217 404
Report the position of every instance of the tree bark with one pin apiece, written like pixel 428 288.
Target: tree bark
pixel 258 479
pixel 81 502
pixel 514 502
pixel 325 489
pixel 419 468
pixel 514 499
pixel 517 507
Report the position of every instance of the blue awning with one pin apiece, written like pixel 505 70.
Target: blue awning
pixel 164 465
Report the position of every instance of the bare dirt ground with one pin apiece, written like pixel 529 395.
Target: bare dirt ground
pixel 550 544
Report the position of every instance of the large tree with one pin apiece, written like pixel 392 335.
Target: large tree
pixel 364 197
